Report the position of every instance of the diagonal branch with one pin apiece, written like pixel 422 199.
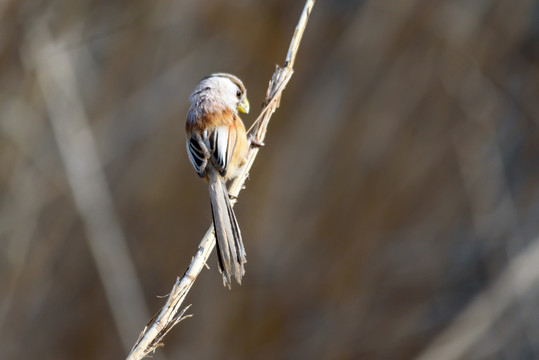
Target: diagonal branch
pixel 153 334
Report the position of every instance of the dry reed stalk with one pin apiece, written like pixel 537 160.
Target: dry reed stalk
pixel 153 334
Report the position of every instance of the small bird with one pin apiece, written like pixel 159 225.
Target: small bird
pixel 217 146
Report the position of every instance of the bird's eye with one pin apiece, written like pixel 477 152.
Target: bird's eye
pixel 238 94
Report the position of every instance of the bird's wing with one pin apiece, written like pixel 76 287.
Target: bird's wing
pixel 198 153
pixel 222 141
pixel 211 137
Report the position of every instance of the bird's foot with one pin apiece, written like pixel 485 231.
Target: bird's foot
pixel 254 142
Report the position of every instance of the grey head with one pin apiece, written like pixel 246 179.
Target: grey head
pixel 219 91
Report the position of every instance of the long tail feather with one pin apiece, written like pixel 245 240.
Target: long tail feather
pixel 230 249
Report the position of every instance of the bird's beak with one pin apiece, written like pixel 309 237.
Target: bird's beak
pixel 243 106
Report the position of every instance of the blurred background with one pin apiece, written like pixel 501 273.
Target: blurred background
pixel 393 213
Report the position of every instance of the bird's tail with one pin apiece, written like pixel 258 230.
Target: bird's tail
pixel 230 250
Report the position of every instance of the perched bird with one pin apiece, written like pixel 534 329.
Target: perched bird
pixel 217 146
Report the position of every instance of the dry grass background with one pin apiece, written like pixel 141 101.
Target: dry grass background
pixel 400 179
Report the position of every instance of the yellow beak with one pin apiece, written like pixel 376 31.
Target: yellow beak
pixel 244 106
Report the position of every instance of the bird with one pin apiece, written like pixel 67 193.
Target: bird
pixel 217 147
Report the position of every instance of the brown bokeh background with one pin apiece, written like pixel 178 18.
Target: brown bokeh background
pixel 394 209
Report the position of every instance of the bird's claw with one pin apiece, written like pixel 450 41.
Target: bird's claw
pixel 255 143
